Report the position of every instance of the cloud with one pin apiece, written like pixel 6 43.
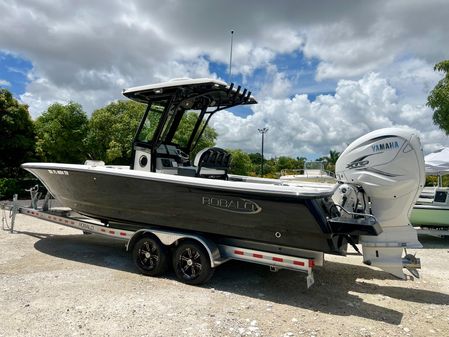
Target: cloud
pixel 382 33
pixel 300 127
pixel 105 45
pixel 5 83
pixel 413 79
pixel 376 56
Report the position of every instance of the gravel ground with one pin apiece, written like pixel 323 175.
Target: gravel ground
pixel 54 281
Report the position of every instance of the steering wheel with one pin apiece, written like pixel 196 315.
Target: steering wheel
pixel 184 156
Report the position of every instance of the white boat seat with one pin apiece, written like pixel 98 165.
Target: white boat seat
pixel 212 162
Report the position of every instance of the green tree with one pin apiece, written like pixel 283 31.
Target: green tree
pixel 301 161
pixel 438 99
pixel 256 161
pixel 184 131
pixel 269 165
pixel 256 158
pixel 331 160
pixel 240 163
pixel 111 131
pixel 286 163
pixel 269 168
pixel 60 132
pixel 16 135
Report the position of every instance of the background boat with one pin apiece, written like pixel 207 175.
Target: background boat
pixel 432 207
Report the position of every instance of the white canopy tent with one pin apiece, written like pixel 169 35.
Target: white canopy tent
pixel 437 163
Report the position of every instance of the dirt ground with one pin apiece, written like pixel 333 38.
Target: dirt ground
pixel 55 281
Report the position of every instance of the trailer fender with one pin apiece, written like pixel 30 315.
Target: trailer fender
pixel 168 238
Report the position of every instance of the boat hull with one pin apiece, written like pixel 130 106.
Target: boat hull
pixel 283 220
pixel 430 216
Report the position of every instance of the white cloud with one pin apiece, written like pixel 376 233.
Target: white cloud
pixel 195 68
pixel 383 32
pixel 276 84
pixel 413 78
pixel 299 127
pixel 5 83
pixel 345 53
pixel 381 53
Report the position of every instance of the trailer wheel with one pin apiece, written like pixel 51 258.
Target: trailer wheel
pixel 150 256
pixel 191 263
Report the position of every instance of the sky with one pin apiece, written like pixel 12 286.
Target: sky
pixel 324 72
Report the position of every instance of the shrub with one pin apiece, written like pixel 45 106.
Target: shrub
pixel 8 187
pixel 11 186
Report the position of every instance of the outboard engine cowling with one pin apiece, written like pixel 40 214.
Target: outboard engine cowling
pixel 387 165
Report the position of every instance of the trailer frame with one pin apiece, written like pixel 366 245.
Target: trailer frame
pixel 217 253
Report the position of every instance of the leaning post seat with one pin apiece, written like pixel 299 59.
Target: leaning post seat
pixel 212 162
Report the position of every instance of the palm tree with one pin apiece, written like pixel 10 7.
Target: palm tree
pixel 331 160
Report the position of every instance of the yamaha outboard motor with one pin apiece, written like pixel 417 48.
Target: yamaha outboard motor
pixel 382 173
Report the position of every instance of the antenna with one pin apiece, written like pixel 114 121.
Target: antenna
pixel 230 57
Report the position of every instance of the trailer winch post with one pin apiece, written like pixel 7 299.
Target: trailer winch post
pixel 13 212
pixel 13 209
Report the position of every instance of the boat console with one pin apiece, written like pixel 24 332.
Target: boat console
pixel 211 162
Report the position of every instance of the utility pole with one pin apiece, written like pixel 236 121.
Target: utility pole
pixel 262 131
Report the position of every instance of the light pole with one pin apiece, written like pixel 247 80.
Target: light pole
pixel 262 131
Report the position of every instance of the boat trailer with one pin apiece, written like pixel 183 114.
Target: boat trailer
pixel 192 253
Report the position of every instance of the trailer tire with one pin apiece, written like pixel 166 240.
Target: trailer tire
pixel 150 256
pixel 191 263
